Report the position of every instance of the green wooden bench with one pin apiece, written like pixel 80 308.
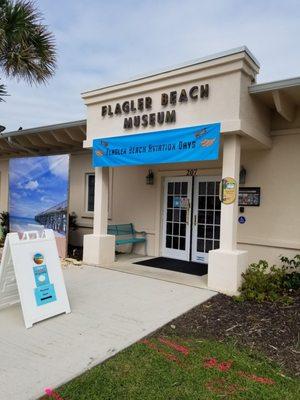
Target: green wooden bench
pixel 122 230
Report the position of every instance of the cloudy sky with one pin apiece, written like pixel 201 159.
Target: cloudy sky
pixel 36 184
pixel 101 42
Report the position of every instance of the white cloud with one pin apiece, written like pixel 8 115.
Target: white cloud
pixel 22 170
pixel 46 199
pixel 59 166
pixel 31 185
pixel 15 196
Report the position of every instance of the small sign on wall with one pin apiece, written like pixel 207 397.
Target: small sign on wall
pixel 228 190
pixel 249 196
pixel 242 219
pixel 181 202
pixel 184 202
pixel 176 202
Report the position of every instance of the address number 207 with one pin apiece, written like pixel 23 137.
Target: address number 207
pixel 191 172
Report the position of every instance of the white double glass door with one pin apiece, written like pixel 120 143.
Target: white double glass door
pixel 191 217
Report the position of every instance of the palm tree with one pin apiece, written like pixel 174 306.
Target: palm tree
pixel 27 48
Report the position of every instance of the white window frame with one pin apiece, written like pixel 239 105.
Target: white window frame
pixel 110 193
pixel 87 175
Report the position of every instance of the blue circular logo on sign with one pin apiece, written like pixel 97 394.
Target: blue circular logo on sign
pixel 38 258
pixel 242 219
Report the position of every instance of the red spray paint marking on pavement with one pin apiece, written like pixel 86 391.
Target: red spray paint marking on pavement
pixel 181 349
pixel 168 356
pixel 51 393
pixel 259 379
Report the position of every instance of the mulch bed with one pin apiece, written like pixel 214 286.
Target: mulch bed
pixel 269 328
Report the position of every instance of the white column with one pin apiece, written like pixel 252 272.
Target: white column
pixel 99 248
pixel 101 201
pixel 229 212
pixel 226 264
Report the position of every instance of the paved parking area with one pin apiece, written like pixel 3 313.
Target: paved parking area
pixel 110 311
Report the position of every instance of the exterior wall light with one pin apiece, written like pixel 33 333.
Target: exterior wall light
pixel 243 174
pixel 150 178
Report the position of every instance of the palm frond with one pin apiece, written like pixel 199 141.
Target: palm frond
pixel 27 48
pixel 3 92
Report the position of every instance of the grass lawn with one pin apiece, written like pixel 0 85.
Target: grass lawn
pixel 175 368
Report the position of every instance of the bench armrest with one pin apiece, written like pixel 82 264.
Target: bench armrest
pixel 143 233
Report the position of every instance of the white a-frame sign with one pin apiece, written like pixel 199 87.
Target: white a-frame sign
pixel 30 272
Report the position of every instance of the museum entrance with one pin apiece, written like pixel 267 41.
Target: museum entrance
pixel 191 217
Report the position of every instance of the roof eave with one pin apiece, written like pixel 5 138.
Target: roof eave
pixel 45 128
pixel 275 85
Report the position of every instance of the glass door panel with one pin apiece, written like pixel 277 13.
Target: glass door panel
pixel 177 217
pixel 206 217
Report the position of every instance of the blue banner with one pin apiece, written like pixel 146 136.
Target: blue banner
pixel 196 143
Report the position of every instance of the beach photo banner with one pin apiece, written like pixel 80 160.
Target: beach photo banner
pixel 38 196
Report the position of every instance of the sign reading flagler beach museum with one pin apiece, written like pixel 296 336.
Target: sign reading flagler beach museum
pixel 196 143
pixel 30 272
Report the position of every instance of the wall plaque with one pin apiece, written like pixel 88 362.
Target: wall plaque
pixel 249 196
pixel 228 190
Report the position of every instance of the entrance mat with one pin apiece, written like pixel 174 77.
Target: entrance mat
pixel 187 267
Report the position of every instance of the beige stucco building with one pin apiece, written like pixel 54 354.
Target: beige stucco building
pixel 260 142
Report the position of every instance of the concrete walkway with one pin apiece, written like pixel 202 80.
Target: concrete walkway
pixel 110 311
pixel 127 263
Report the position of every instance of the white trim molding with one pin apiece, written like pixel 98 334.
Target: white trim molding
pixel 256 241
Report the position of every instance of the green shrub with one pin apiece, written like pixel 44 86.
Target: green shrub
pixel 4 226
pixel 292 277
pixel 73 226
pixel 264 283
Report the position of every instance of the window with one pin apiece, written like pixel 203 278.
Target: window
pixel 90 192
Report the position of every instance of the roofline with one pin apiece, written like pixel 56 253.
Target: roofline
pixel 63 125
pixel 197 61
pixel 275 85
